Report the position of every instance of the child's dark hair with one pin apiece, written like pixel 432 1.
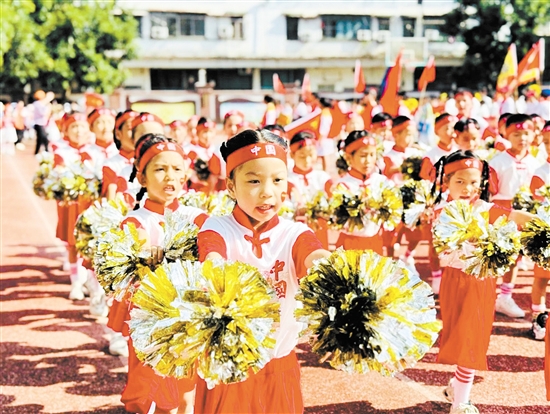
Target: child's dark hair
pixel 464 124
pixel 268 99
pixel 143 144
pixel 441 117
pixel 381 117
pixel 302 136
pixel 401 119
pixel 249 137
pixel 275 127
pixel 517 119
pixel 326 102
pixel 353 136
pixel 457 156
pixel 504 116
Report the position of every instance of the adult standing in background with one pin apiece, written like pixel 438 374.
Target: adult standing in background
pixel 42 112
pixel 19 115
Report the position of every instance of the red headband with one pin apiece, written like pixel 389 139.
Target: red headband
pixel 206 125
pixel 97 113
pixel 234 112
pixel 74 118
pixel 140 119
pixel 301 144
pixel 382 124
pixel 445 121
pixel 464 93
pixel 124 117
pixel 364 142
pixel 521 126
pixel 253 152
pixel 401 127
pixel 176 124
pixel 463 164
pixel 502 121
pixel 156 149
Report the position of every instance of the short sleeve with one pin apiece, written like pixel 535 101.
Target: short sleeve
pixel 200 219
pixel 328 187
pixel 426 169
pixel 305 244
pixel 493 181
pixel 498 211
pixel 210 241
pixel 214 165
pixel 132 220
pixel 536 183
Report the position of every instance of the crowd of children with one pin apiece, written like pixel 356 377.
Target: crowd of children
pixel 151 164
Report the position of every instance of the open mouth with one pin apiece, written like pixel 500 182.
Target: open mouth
pixel 264 208
pixel 169 189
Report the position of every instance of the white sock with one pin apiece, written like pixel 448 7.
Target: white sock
pixel 506 290
pixel 93 285
pixel 462 385
pixel 538 308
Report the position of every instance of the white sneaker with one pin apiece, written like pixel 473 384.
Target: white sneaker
pixel 464 409
pixel 538 328
pixel 436 284
pixel 98 306
pixel 508 307
pixel 118 345
pixel 76 292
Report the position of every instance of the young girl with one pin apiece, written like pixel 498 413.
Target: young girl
pixel 304 182
pixel 444 129
pixel 146 123
pixel 161 169
pixel 281 249
pixel 200 154
pixel 178 132
pixel 541 178
pixel 360 154
pixel 102 123
pixel 231 123
pixel 114 180
pixel 381 126
pixel 510 170
pixel 404 132
pixel 467 303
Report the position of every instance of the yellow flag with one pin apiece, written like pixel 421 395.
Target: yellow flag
pixel 509 72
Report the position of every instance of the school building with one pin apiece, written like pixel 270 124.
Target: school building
pixel 212 53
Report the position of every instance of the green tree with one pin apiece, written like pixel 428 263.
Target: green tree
pixel 64 46
pixel 488 27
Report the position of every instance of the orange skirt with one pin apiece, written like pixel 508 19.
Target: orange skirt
pixel 275 389
pixel 467 312
pixel 67 214
pixel 350 242
pixel 145 386
pixel 540 273
pixel 118 315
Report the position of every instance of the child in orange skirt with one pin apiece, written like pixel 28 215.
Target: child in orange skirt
pixel 77 132
pixel 540 178
pixel 404 132
pixel 360 153
pixel 467 303
pixel 161 169
pixel 305 182
pixel 511 170
pixel 281 249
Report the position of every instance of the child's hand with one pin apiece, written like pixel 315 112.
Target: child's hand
pixel 157 254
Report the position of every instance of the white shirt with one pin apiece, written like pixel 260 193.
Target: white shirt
pixel 512 173
pixel 276 265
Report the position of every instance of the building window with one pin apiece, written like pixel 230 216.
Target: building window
pixel 383 23
pixel 174 79
pixel 139 25
pixel 409 24
pixel 178 24
pixel 238 32
pixel 288 76
pixel 230 78
pixel 344 27
pixel 432 26
pixel 291 28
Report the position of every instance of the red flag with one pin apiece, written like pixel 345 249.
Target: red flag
pixel 390 87
pixel 309 122
pixel 278 86
pixel 532 65
pixel 339 119
pixel 306 89
pixel 360 84
pixel 428 74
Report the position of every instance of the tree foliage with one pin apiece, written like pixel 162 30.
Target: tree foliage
pixel 488 27
pixel 63 45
